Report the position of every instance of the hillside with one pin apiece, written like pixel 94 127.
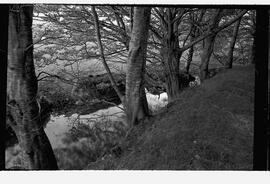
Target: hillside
pixel 209 128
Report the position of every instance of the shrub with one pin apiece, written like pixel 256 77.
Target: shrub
pixel 61 101
pixel 86 142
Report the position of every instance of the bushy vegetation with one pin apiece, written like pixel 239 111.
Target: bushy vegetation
pixel 83 144
pixel 87 142
pixel 58 94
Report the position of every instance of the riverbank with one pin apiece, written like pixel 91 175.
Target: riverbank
pixel 210 127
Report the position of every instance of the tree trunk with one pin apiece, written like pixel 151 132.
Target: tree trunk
pixel 189 59
pixel 113 83
pixel 205 56
pixel 131 17
pixel 261 148
pixel 171 56
pixel 253 49
pixel 191 49
pixel 136 103
pixel 3 76
pixel 209 45
pixel 232 43
pixel 22 107
pixel 171 59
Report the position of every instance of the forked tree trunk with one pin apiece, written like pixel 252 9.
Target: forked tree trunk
pixel 232 43
pixel 171 56
pixel 209 45
pixel 22 108
pixel 136 103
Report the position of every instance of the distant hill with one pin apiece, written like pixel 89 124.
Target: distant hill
pixel 209 127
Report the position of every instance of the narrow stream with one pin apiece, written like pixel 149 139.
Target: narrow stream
pixel 58 127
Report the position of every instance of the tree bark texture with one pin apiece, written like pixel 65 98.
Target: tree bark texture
pixel 136 103
pixel 229 62
pixel 209 45
pixel 22 107
pixel 171 56
pixel 171 59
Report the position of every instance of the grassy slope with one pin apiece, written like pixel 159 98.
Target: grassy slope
pixel 209 128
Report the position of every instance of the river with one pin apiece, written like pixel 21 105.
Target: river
pixel 58 126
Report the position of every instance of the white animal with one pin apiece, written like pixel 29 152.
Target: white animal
pixel 156 101
pixel 163 97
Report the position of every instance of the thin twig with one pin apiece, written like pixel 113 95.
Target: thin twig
pixel 114 85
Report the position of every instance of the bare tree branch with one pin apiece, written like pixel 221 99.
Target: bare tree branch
pixel 215 31
pixel 48 75
pixel 114 85
pixel 156 33
pixel 160 16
